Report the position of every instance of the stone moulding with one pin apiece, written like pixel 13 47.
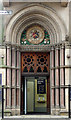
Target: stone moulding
pixel 6 3
pixel 60 67
pixel 35 48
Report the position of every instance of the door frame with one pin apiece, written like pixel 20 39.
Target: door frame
pixel 24 74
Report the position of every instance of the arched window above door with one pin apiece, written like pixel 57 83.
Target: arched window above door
pixel 35 35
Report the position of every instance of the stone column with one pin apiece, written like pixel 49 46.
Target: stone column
pixel 13 78
pixel 62 76
pixel 18 102
pixel 57 76
pixel 52 74
pixel 8 82
pixel 13 65
pixel 18 78
pixel 8 56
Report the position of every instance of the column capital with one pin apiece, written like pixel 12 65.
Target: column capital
pixel 17 49
pixel 56 47
pixel 13 48
pixel 62 46
pixel 52 48
pixel 8 47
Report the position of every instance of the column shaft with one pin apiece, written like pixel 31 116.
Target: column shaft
pixel 57 75
pixel 62 76
pixel 52 74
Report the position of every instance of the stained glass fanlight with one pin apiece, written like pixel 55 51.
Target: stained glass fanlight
pixel 35 35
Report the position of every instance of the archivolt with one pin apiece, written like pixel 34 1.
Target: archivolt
pixel 43 16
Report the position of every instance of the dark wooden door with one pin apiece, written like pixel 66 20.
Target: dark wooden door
pixel 35 62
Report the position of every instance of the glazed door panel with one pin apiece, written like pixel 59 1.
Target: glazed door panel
pixel 41 94
pixel 30 96
pixel 36 92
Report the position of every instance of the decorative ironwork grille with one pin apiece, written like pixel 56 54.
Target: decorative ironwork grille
pixel 35 62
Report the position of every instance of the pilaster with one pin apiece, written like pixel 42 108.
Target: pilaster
pixel 57 76
pixel 62 80
pixel 52 75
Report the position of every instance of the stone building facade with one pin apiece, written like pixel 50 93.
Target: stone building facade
pixel 36 47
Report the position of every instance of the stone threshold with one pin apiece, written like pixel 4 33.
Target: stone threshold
pixel 36 116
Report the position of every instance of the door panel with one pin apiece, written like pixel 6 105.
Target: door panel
pixel 30 96
pixel 36 94
pixel 41 94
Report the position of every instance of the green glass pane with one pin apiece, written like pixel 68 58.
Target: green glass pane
pixel 25 69
pixel 39 69
pixel 31 69
pixel 24 35
pixel 46 32
pixel 45 69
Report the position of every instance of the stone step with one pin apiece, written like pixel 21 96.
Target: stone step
pixel 36 119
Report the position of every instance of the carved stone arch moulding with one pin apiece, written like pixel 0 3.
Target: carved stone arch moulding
pixel 32 15
pixel 34 19
pixel 39 23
